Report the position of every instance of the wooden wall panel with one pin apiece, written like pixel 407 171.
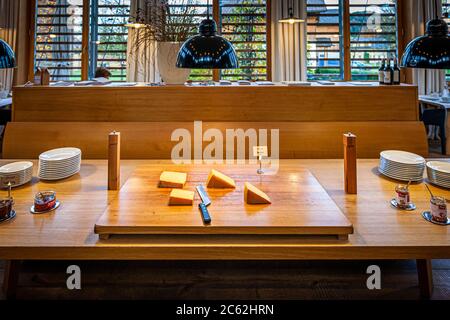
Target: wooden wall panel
pixel 152 140
pixel 179 103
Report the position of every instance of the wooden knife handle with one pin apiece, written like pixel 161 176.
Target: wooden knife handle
pixel 205 214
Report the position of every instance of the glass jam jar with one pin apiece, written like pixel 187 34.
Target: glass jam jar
pixel 6 206
pixel 403 197
pixel 438 209
pixel 44 201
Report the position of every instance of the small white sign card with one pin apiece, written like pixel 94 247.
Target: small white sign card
pixel 260 152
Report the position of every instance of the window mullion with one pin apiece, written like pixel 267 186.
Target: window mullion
pixel 218 19
pixel 346 39
pixel 85 41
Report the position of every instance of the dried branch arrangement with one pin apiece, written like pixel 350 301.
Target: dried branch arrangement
pixel 166 23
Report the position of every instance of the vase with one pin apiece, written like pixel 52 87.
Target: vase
pixel 167 59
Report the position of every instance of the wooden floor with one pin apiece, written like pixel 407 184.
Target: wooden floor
pixel 228 280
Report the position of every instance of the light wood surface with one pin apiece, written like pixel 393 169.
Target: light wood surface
pixel 114 161
pixel 300 206
pixel 152 140
pixel 380 232
pixel 180 103
pixel 350 165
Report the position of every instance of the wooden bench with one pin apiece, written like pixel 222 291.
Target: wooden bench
pixel 152 140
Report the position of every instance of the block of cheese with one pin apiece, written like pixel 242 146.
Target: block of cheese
pixel 252 195
pixel 170 179
pixel 179 197
pixel 218 180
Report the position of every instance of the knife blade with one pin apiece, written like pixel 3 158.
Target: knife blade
pixel 203 206
pixel 203 195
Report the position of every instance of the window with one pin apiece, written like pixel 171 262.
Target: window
pixel 372 34
pixel 59 36
pixel 324 45
pixel 198 11
pixel 244 23
pixel 59 39
pixel 109 36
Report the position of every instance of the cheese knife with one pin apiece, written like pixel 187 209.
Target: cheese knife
pixel 204 204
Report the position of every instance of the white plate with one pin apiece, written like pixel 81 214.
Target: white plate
pixel 402 157
pixel 400 177
pixel 58 177
pixel 409 172
pixel 4 184
pixel 16 167
pixel 59 163
pixel 404 170
pixel 401 165
pixel 60 154
pixel 54 172
pixel 439 166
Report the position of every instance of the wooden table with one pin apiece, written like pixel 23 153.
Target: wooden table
pixel 380 232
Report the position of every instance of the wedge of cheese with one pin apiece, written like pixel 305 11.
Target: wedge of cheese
pixel 169 179
pixel 179 197
pixel 252 195
pixel 218 180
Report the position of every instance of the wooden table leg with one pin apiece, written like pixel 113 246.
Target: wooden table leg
pixel 425 275
pixel 11 278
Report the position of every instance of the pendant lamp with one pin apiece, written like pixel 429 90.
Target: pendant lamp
pixel 431 51
pixel 7 58
pixel 291 18
pixel 207 50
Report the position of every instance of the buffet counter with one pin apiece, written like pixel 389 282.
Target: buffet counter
pixel 220 103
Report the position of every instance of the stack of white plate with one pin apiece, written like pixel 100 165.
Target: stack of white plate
pixel 402 165
pixel 439 173
pixel 16 173
pixel 59 163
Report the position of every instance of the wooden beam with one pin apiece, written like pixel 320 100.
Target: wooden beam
pixel 31 39
pixel 269 39
pixel 400 35
pixel 216 17
pixel 346 44
pixel 425 275
pixel 85 41
pixel 11 278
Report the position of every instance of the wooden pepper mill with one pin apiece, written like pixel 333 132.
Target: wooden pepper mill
pixel 114 161
pixel 350 171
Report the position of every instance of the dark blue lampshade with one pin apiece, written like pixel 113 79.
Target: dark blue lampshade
pixel 7 58
pixel 207 50
pixel 431 51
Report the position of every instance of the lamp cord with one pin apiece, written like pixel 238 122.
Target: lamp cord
pixel 207 9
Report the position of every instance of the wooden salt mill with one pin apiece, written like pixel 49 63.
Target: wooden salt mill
pixel 350 170
pixel 114 161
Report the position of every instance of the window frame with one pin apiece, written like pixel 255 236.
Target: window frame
pixel 345 30
pixel 86 38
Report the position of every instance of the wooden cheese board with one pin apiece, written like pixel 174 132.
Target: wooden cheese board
pixel 300 205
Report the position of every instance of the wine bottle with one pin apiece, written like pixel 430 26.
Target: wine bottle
pixel 396 73
pixel 381 72
pixel 388 73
